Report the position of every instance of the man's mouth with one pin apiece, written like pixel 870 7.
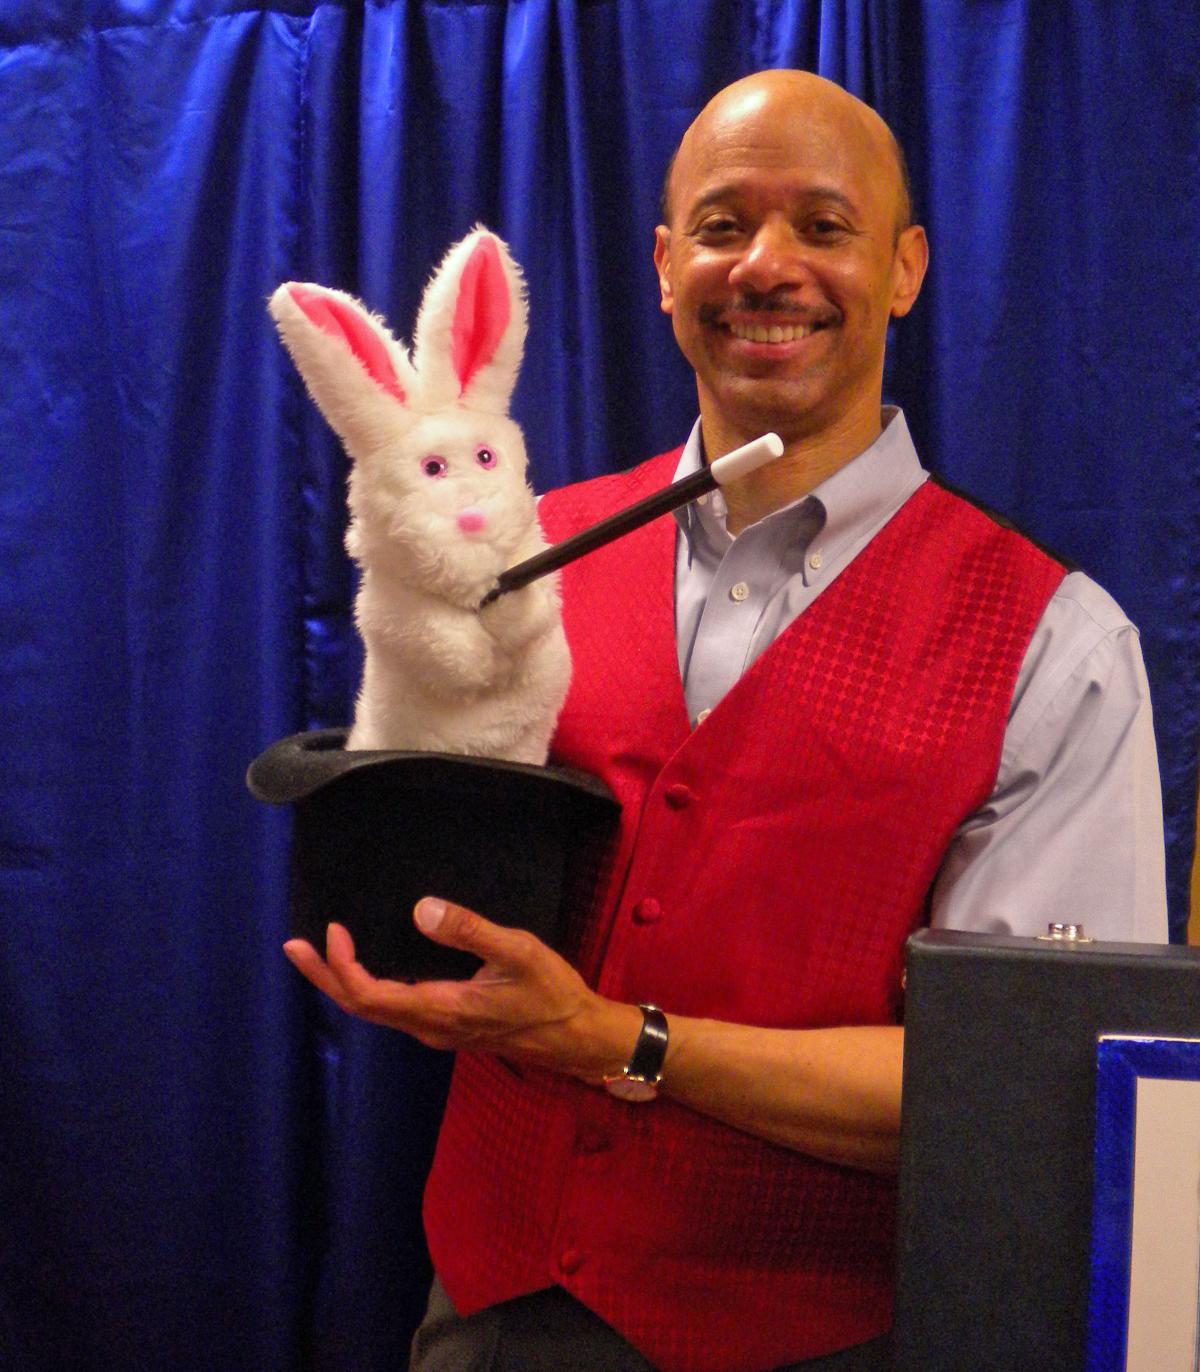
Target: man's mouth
pixel 770 333
pixel 767 320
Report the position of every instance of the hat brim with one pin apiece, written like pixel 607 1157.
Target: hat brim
pixel 298 766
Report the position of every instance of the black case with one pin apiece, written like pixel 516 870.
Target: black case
pixel 995 1203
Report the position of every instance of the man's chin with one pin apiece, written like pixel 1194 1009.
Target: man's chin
pixel 764 405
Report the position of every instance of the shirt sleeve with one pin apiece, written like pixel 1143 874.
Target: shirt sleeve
pixel 1073 830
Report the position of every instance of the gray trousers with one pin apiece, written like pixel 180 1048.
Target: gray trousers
pixel 550 1331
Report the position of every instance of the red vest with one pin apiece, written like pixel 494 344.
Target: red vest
pixel 771 864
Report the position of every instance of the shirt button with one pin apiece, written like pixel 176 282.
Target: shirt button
pixel 739 591
pixel 814 561
pixel 592 1139
pixel 570 1260
pixel 678 796
pixel 646 911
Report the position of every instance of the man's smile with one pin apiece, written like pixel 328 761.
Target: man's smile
pixel 769 333
pixel 774 322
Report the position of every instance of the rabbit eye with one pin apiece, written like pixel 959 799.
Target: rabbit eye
pixel 485 457
pixel 433 466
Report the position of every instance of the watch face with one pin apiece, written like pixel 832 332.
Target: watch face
pixel 632 1088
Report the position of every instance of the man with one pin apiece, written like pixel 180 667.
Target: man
pixel 915 714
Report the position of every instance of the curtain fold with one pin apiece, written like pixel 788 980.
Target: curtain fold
pixel 201 1166
pixel 152 1141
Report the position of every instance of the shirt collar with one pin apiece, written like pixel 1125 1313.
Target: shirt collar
pixel 848 505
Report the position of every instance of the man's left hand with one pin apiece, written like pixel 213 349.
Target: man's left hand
pixel 525 1003
pixel 833 1093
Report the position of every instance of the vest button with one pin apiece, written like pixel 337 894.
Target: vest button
pixel 646 911
pixel 570 1260
pixel 678 796
pixel 592 1139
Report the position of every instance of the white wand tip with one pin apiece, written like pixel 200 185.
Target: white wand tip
pixel 742 461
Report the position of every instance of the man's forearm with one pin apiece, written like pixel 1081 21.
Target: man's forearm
pixel 832 1093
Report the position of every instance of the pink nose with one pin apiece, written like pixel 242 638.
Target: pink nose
pixel 471 520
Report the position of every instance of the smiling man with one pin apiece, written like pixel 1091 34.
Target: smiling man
pixel 839 704
pixel 786 251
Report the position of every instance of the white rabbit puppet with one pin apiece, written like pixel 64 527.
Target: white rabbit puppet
pixel 439 506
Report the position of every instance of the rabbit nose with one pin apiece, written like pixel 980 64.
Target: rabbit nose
pixel 471 520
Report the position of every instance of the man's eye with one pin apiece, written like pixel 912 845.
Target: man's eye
pixel 714 230
pixel 826 228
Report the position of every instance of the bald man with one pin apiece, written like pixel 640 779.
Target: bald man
pixel 774 157
pixel 835 704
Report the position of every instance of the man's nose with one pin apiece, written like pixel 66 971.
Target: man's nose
pixel 774 257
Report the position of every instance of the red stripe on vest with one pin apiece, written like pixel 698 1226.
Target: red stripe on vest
pixel 771 864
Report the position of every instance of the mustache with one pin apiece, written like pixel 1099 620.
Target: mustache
pixel 751 303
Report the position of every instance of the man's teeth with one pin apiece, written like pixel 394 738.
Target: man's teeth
pixel 774 333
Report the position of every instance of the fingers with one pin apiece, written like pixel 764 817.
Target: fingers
pixel 418 1010
pixel 357 984
pixel 443 922
pixel 457 927
pixel 358 992
pixel 516 986
pixel 337 973
pixel 310 964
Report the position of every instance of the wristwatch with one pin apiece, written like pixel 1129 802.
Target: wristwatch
pixel 638 1079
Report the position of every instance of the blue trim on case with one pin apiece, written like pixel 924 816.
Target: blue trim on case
pixel 1119 1064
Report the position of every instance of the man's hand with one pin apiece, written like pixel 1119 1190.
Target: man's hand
pixel 833 1093
pixel 525 1003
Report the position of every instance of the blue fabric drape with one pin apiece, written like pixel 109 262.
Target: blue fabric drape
pixel 201 1167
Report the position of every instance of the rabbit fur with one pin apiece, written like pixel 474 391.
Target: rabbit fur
pixel 439 506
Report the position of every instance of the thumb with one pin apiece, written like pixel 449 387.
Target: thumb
pixel 457 927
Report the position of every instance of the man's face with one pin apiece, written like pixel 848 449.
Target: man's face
pixel 781 265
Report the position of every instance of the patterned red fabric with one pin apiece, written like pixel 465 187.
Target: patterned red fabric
pixel 772 862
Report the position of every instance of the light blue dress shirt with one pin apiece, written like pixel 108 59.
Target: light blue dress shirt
pixel 1072 831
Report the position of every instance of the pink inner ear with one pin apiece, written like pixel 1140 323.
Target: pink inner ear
pixel 336 318
pixel 481 313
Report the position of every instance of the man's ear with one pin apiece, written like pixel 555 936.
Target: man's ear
pixel 662 265
pixel 908 266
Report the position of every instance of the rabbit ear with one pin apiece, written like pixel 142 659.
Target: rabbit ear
pixel 470 334
pixel 354 369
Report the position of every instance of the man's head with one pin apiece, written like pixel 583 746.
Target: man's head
pixel 785 249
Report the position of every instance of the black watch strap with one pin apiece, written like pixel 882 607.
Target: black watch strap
pixel 651 1046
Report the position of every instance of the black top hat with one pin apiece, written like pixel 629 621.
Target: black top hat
pixel 376 831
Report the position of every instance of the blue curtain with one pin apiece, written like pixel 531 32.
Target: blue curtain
pixel 200 1166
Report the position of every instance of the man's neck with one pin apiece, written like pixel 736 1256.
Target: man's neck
pixel 807 460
